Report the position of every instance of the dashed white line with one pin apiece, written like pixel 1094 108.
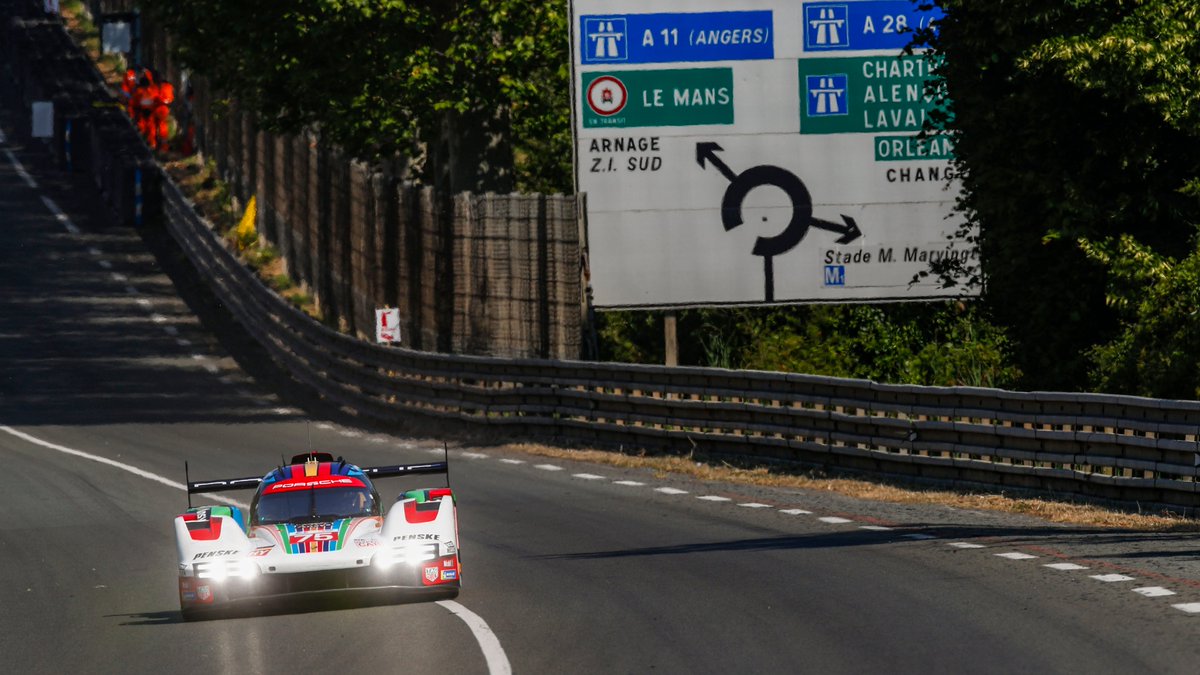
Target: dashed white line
pixel 875 528
pixel 143 302
pixel 671 491
pixel 117 276
pixel 350 433
pixel 964 544
pixel 796 512
pixel 585 476
pixel 755 505
pixel 183 342
pixel 159 318
pixel 714 498
pixel 1014 555
pixel 629 483
pixel 105 264
pixel 325 426
pixel 1153 591
pixel 225 379
pixel 512 461
pixel 171 330
pixel 547 467
pixel 918 536
pixel 1066 567
pixel 130 290
pixel 92 250
pixel 474 455
pixel 1111 578
pixel 834 520
pixel 1189 607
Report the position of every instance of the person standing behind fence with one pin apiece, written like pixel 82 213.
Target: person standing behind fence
pixel 128 84
pixel 162 114
pixel 145 100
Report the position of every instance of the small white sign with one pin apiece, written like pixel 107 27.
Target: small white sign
pixel 43 119
pixel 387 325
pixel 116 37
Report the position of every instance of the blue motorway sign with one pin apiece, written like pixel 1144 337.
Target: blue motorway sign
pixel 676 37
pixel 860 26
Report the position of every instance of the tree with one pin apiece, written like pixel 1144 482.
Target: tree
pixel 1072 120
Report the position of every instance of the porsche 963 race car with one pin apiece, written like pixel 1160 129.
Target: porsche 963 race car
pixel 316 526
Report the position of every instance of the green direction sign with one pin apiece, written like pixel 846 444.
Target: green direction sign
pixel 657 98
pixel 866 94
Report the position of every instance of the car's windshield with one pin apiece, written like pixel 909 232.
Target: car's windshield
pixel 314 504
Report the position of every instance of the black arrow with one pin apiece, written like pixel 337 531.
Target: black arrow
pixel 849 230
pixel 708 151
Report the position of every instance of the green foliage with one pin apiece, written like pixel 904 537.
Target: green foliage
pixel 1155 353
pixel 1072 119
pixel 375 76
pixel 938 344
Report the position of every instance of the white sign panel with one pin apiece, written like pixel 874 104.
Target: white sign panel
pixel 387 325
pixel 764 152
pixel 43 119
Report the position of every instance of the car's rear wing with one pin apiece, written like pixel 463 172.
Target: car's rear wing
pixel 252 482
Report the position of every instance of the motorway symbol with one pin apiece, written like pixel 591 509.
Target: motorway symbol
pixel 607 39
pixel 606 95
pixel 740 185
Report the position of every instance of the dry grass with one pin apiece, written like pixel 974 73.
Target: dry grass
pixel 1051 510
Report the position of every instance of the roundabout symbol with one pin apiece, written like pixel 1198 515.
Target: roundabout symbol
pixel 740 185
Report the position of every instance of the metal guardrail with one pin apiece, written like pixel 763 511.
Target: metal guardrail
pixel 1116 447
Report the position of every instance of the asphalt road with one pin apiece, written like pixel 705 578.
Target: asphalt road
pixel 109 382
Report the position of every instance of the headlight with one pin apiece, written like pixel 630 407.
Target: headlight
pixel 218 570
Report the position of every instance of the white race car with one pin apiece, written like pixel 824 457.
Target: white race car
pixel 317 526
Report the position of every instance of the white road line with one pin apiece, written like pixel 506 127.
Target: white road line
pixel 1153 591
pixel 714 498
pixel 171 330
pixel 225 379
pixel 512 461
pixel 755 505
pixel 350 433
pixel 875 528
pixel 132 291
pixel 796 512
pixel 1189 607
pixel 143 302
pixel 584 476
pixel 671 491
pixel 547 467
pixel 1014 555
pixel 474 455
pixel 158 318
pixel 59 215
pixel 834 520
pixel 493 653
pixel 325 426
pixel 115 464
pixel 105 264
pixel 92 250
pixel 1066 567
pixel 919 536
pixel 963 544
pixel 117 276
pixel 183 342
pixel 630 483
pixel 12 159
pixel 1111 578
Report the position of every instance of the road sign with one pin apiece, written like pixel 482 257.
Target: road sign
pixel 732 174
pixel 387 325
pixel 677 37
